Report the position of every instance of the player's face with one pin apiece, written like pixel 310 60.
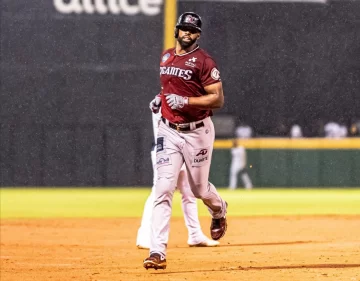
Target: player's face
pixel 187 36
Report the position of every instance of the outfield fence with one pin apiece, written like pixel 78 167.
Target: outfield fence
pixel 283 162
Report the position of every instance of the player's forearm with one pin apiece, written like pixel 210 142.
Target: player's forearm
pixel 210 101
pixel 214 98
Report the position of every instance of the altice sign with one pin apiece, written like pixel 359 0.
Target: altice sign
pixel 146 7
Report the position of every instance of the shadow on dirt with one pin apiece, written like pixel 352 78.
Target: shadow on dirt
pixel 269 243
pixel 320 266
pixel 263 244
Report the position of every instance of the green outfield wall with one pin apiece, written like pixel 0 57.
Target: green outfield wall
pixel 292 163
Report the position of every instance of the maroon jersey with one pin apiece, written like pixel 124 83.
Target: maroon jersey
pixel 186 75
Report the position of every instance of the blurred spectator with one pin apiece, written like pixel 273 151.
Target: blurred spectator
pixel 355 129
pixel 281 130
pixel 331 130
pixel 343 131
pixel 296 131
pixel 335 130
pixel 318 128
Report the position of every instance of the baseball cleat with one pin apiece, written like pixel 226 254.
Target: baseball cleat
pixel 218 227
pixel 142 247
pixel 155 261
pixel 207 243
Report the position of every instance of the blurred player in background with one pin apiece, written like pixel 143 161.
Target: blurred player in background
pixel 239 158
pixel 243 131
pixel 296 131
pixel 196 238
pixel 238 166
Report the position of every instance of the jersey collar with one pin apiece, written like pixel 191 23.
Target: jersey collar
pixel 197 47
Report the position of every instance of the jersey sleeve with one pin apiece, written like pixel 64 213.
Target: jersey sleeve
pixel 210 73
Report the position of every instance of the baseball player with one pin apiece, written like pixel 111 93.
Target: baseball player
pixel 243 131
pixel 196 238
pixel 191 88
pixel 238 165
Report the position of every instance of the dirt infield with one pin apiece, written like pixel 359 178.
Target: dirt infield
pixel 254 248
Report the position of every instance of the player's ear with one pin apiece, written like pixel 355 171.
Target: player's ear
pixel 198 37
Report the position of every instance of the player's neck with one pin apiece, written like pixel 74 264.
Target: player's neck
pixel 180 50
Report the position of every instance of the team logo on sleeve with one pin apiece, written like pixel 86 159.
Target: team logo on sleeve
pixel 215 74
pixel 165 57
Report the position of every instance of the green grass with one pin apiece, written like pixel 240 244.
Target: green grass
pixel 129 202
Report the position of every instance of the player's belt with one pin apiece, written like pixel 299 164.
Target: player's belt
pixel 181 127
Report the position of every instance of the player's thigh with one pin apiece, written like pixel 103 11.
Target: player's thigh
pixel 234 169
pixel 168 164
pixel 169 157
pixel 198 145
pixel 197 155
pixel 187 196
pixel 182 180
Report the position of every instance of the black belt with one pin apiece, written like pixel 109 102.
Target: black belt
pixel 180 127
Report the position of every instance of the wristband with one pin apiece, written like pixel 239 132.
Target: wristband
pixel 186 100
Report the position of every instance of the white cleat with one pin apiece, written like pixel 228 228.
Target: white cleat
pixel 142 247
pixel 207 243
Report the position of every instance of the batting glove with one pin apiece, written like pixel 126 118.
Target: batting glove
pixel 176 101
pixel 155 104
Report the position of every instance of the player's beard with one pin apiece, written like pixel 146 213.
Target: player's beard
pixel 185 44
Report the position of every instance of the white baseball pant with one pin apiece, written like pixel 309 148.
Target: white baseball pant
pixel 174 148
pixel 188 204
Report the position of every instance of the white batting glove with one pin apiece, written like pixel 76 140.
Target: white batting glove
pixel 155 104
pixel 175 101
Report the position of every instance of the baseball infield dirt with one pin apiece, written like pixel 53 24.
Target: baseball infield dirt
pixel 254 248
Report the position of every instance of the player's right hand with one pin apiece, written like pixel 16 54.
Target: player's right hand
pixel 155 104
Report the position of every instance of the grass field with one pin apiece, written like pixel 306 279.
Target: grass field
pixel 129 202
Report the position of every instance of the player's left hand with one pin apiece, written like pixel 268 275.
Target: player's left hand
pixel 176 102
pixel 155 104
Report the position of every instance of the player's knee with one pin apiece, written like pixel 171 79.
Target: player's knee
pixel 197 191
pixel 242 171
pixel 165 184
pixel 187 196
